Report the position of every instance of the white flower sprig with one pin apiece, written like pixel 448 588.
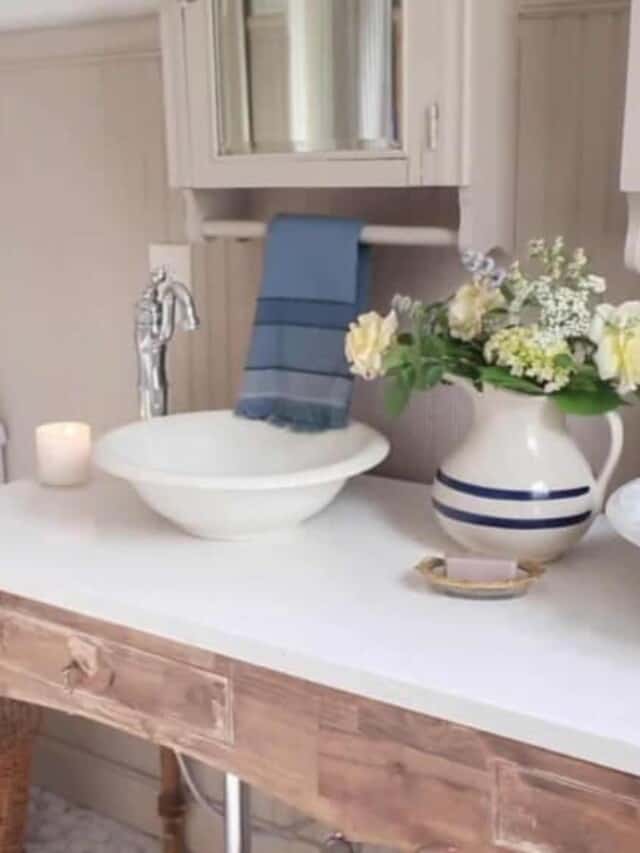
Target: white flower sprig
pixel 561 297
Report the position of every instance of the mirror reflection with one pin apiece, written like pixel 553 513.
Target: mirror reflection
pixel 307 75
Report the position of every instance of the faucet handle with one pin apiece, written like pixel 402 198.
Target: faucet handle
pixel 148 314
pixel 155 321
pixel 156 307
pixel 159 276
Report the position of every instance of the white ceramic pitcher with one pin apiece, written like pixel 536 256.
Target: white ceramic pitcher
pixel 519 486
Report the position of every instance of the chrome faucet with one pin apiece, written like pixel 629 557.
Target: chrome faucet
pixel 155 323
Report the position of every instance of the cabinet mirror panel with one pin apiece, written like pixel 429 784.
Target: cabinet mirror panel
pixel 307 75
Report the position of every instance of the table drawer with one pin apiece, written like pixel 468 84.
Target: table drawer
pixel 142 690
pixel 538 810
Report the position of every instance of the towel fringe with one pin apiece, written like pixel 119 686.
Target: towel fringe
pixel 295 415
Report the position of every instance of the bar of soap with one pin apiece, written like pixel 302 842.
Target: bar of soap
pixel 480 569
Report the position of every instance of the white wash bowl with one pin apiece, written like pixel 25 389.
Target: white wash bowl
pixel 219 476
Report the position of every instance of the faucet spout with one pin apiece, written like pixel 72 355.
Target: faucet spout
pixel 187 308
pixel 155 322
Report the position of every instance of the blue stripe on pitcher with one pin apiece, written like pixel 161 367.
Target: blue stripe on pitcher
pixel 509 494
pixel 480 520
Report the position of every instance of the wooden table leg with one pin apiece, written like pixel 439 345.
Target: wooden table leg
pixel 19 724
pixel 171 803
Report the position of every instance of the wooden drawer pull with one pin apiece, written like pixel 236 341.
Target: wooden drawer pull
pixel 72 676
pixel 86 665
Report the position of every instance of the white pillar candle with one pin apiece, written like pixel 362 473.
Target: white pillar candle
pixel 63 452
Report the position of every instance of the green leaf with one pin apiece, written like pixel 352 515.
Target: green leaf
pixel 563 361
pixel 578 402
pixel 585 378
pixel 589 371
pixel 396 396
pixel 408 375
pixel 434 346
pixel 396 357
pixel 429 376
pixel 506 290
pixel 465 370
pixel 463 350
pixel 502 378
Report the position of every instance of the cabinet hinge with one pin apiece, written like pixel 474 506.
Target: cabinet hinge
pixel 433 127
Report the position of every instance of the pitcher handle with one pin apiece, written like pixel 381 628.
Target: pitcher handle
pixel 616 428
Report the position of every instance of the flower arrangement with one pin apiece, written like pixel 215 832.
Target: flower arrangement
pixel 544 332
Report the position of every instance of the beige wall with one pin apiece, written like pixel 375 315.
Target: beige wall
pixel 82 192
pixel 83 189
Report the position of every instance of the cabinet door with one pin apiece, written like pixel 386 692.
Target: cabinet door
pixel 316 92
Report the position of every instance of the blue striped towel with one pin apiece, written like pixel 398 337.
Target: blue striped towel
pixel 315 282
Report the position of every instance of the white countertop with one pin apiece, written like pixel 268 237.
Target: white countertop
pixel 337 602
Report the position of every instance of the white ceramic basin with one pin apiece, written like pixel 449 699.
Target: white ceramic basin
pixel 623 511
pixel 222 477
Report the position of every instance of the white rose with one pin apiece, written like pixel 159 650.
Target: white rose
pixel 469 306
pixel 367 342
pixel 616 331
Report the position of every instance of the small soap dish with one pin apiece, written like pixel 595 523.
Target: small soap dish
pixel 434 570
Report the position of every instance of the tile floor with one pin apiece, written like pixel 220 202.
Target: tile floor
pixel 57 827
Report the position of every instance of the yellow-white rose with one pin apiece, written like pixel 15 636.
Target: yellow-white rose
pixel 367 342
pixel 469 306
pixel 616 331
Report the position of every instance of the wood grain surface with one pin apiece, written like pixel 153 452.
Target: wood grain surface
pixel 379 773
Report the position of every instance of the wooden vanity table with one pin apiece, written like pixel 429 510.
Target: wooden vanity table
pixel 317 666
